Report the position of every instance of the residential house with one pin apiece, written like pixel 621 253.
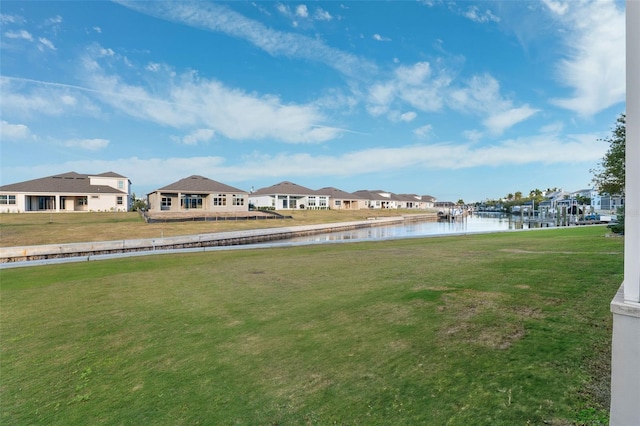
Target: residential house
pixel 198 193
pixel 342 200
pixel 68 192
pixel 410 201
pixel 428 201
pixel 606 202
pixel 377 199
pixel 289 196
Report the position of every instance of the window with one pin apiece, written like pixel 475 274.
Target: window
pixel 189 201
pixel 237 200
pixel 120 184
pixel 82 201
pixel 7 199
pixel 119 201
pixel 219 200
pixel 46 203
pixel 323 202
pixel 311 201
pixel 165 203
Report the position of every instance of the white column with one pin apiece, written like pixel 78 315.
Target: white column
pixel 632 169
pixel 625 353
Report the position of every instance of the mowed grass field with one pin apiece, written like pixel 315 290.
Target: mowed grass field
pixel 23 229
pixel 502 329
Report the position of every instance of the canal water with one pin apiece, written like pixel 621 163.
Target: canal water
pixel 470 224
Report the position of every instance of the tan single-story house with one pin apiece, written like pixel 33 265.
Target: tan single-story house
pixel 378 199
pixel 198 193
pixel 428 201
pixel 289 196
pixel 342 200
pixel 68 192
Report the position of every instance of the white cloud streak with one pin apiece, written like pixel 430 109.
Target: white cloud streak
pixel 190 102
pixel 218 18
pixel 542 149
pixel 22 35
pixel 45 43
pixel 197 136
pixel 476 15
pixel 594 65
pixel 87 144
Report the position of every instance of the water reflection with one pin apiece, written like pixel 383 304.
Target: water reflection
pixel 471 224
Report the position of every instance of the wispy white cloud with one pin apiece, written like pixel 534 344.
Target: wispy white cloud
pixel 21 34
pixel 594 63
pixel 44 42
pixel 11 19
pixel 54 20
pixel 408 116
pixel 418 85
pixel 10 131
pixel 87 144
pixel 557 7
pixel 475 14
pixel 218 18
pixel 189 102
pixel 555 127
pixel 538 149
pixel 378 37
pixel 27 98
pixel 499 122
pixel 430 89
pixel 302 11
pixel 322 15
pixel 473 135
pixel 197 136
pixel 423 131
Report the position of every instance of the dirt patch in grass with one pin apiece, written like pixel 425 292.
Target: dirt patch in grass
pixel 480 318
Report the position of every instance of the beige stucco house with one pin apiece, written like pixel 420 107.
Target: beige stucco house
pixel 68 192
pixel 198 193
pixel 289 196
pixel 342 200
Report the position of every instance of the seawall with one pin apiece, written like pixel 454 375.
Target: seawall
pixel 88 249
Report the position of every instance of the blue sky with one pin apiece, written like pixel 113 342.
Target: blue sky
pixel 468 100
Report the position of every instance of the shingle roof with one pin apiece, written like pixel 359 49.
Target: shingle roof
pixel 110 174
pixel 70 182
pixel 371 195
pixel 338 193
pixel 286 188
pixel 408 197
pixel 199 184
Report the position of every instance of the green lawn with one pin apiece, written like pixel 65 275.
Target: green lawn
pixel 501 329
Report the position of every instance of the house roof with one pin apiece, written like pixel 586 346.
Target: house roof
pixel 372 195
pixel 409 197
pixel 70 182
pixel 199 184
pixel 110 174
pixel 428 198
pixel 286 188
pixel 338 193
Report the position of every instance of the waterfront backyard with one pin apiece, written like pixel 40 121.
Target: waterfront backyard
pixel 509 328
